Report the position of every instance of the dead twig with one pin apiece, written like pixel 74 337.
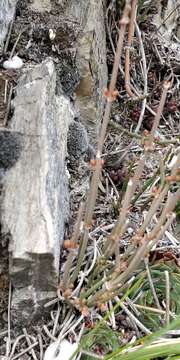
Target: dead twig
pixel 152 285
pixel 167 297
pixel 18 356
pixel 144 73
pixel 8 342
pixel 127 51
pixel 29 344
pixel 164 21
pixel 8 37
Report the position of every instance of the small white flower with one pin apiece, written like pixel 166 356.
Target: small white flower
pixel 13 64
pixel 62 351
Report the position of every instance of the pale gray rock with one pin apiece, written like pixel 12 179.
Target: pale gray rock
pixel 10 148
pixel 35 203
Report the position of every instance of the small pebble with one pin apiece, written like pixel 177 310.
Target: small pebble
pixel 52 34
pixel 13 64
pixel 62 351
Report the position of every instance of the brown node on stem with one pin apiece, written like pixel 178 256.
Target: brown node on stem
pixel 87 226
pixel 137 240
pixel 93 164
pixel 67 293
pixel 68 244
pixel 154 190
pixel 125 18
pixel 167 84
pixel 172 178
pixel 76 301
pixel 148 146
pixel 84 310
pixel 71 286
pixel 102 307
pixel 110 96
pixel 146 132
pixel 114 238
pixel 121 267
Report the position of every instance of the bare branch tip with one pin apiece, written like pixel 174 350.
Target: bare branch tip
pixel 167 84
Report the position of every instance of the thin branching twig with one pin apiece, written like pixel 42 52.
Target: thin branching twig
pixel 110 94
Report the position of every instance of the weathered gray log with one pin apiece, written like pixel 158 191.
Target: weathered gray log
pixel 35 204
pixel 7 9
pixel 91 62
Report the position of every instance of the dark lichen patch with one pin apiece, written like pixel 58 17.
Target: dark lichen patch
pixel 11 144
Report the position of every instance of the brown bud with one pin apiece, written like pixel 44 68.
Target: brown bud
pixel 172 178
pixel 84 311
pixel 68 244
pixel 67 293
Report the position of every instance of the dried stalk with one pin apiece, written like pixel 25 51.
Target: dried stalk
pixel 29 344
pixel 167 297
pixel 153 290
pixel 118 282
pixel 74 240
pixel 166 86
pixel 157 201
pixel 133 318
pixel 117 127
pixel 91 200
pixel 145 78
pixel 127 52
pixel 148 241
pixel 121 223
pixel 168 208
